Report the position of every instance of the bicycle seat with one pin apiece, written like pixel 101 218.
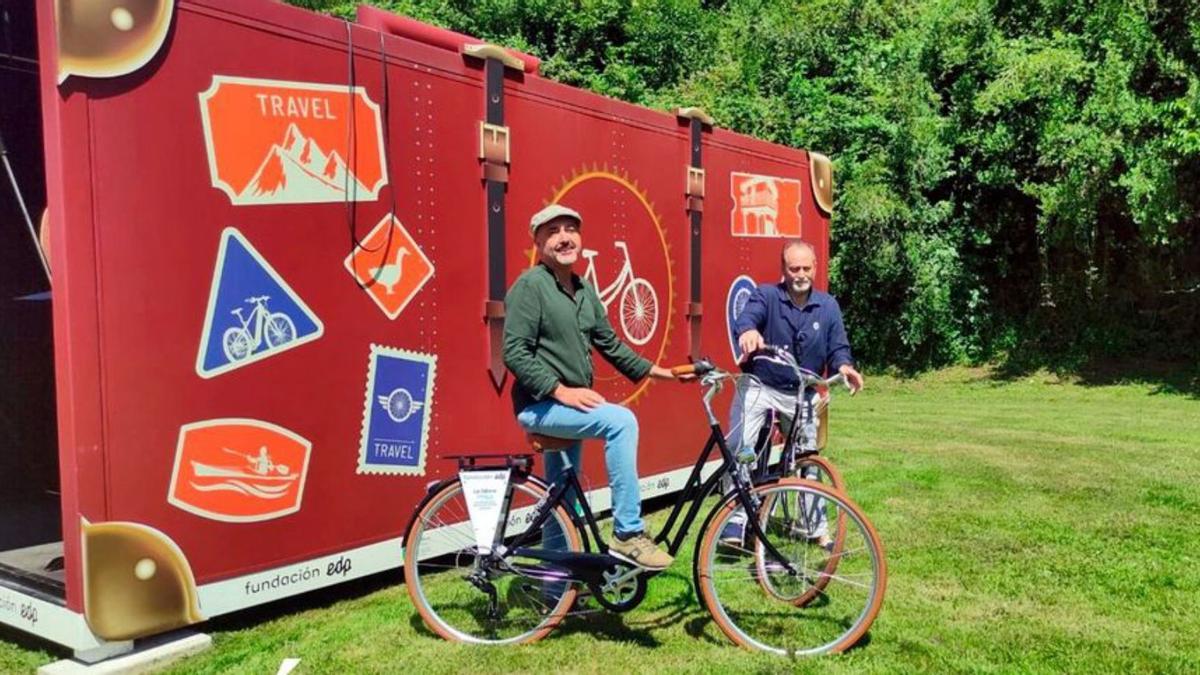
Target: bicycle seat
pixel 543 443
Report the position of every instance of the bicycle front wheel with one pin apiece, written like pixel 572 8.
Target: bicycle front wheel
pixel 730 578
pixel 464 596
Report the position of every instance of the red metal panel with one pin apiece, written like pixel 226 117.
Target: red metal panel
pixel 77 362
pixel 142 227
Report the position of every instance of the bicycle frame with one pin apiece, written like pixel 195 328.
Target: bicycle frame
pixel 258 316
pixel 588 566
pixel 792 452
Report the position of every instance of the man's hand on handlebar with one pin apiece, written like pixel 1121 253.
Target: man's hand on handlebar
pixel 751 341
pixel 660 373
pixel 854 379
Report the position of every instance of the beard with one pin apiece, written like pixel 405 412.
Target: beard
pixel 800 285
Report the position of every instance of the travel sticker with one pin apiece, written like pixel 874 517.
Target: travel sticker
pixel 274 142
pixel 735 302
pixel 395 428
pixel 390 266
pixel 252 312
pixel 239 470
pixel 764 206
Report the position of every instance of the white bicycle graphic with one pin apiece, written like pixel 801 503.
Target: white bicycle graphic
pixel 276 328
pixel 638 306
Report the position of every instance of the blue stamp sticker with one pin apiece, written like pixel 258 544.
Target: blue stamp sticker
pixel 735 302
pixel 395 428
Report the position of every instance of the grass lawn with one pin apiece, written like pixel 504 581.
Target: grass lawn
pixel 1031 525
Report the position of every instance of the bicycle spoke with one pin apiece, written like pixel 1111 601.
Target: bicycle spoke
pixel 473 598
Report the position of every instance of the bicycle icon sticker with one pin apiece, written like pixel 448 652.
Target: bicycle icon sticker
pixel 735 302
pixel 396 414
pixel 252 313
pixel 638 308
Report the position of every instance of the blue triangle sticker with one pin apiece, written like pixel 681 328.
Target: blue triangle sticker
pixel 252 313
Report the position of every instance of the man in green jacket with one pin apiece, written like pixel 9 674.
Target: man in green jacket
pixel 553 319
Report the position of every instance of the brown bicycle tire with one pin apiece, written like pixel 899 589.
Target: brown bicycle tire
pixel 712 536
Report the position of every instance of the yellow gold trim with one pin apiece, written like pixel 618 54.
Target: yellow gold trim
pixel 494 143
pixel 486 51
pixel 695 113
pixel 136 581
pixel 821 171
pixel 695 182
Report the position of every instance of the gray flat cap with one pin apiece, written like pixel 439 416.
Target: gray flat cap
pixel 550 213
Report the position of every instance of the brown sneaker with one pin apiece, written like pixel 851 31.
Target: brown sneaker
pixel 640 551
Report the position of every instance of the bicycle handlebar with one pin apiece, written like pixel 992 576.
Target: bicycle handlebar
pixel 807 378
pixel 699 368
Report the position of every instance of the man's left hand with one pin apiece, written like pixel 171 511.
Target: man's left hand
pixel 853 378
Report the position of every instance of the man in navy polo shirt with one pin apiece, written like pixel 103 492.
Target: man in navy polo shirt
pixel 793 315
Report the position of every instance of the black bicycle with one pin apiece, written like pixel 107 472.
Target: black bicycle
pixel 796 454
pixel 497 556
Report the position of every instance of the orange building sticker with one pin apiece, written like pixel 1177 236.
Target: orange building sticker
pixel 238 470
pixel 764 206
pixel 272 142
pixel 392 277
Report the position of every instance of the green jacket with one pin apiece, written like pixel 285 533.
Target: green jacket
pixel 548 337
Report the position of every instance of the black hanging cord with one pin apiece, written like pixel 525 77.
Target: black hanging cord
pixel 387 149
pixel 350 187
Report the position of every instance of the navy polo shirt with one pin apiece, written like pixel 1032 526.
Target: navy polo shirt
pixel 814 333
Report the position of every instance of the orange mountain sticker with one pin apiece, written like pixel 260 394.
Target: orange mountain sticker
pixel 238 470
pixel 764 206
pixel 272 142
pixel 392 277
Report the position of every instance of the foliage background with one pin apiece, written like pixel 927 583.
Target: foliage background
pixel 1016 180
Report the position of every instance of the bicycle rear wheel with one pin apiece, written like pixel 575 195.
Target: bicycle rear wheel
pixel 730 578
pixel 467 597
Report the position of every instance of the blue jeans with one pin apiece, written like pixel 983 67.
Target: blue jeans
pixel 619 429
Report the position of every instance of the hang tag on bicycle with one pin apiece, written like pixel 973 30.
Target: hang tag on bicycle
pixel 484 492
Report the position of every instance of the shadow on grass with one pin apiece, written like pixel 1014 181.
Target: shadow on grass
pixel 1166 377
pixel 603 623
pixel 862 643
pixel 635 627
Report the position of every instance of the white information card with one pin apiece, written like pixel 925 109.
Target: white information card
pixel 484 492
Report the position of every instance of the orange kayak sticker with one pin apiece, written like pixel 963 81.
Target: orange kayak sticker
pixel 273 142
pixel 764 206
pixel 239 470
pixel 394 276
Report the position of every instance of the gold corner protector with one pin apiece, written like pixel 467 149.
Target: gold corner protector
pixel 821 175
pixel 696 114
pixel 486 51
